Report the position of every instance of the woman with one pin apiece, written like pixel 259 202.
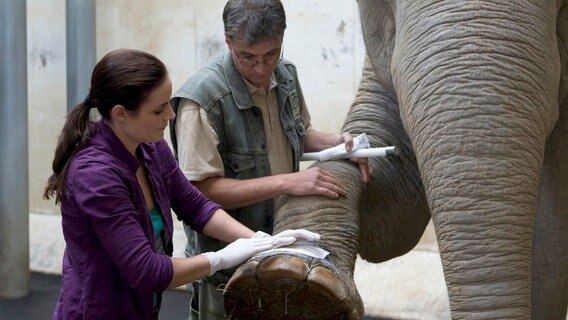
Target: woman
pixel 116 180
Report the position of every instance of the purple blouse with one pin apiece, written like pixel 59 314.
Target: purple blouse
pixel 110 268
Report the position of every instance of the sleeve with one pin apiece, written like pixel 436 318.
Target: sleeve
pixel 104 198
pixel 197 143
pixel 189 204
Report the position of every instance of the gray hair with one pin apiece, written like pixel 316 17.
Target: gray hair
pixel 254 20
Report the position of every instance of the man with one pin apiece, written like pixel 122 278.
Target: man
pixel 241 128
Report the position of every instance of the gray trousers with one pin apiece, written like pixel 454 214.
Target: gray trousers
pixel 206 301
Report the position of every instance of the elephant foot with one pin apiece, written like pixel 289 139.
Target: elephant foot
pixel 290 286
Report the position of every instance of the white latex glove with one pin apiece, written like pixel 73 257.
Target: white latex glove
pixel 299 234
pixel 242 249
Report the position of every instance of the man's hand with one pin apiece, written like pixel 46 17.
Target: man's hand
pixel 363 163
pixel 313 181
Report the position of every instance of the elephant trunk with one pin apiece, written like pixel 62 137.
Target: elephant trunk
pixel 393 211
pixel 477 91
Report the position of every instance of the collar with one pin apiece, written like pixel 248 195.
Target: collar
pixel 252 89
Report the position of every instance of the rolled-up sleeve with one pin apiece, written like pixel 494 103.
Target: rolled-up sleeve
pixel 194 132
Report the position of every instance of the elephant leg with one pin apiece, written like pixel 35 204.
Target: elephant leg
pixel 478 100
pixel 295 286
pixel 277 285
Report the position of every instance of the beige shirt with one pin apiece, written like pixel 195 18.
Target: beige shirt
pixel 197 141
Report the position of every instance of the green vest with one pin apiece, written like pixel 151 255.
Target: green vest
pixel 220 89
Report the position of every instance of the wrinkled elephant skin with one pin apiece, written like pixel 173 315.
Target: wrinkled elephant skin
pixel 474 94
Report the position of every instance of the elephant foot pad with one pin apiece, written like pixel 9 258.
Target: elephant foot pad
pixel 285 286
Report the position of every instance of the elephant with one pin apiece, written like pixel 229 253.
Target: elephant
pixel 474 95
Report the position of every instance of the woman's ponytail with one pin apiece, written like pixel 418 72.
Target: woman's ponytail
pixel 75 132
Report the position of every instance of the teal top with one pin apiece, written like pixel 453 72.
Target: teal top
pixel 157 223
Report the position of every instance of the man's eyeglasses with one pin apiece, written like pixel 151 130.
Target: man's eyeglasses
pixel 269 59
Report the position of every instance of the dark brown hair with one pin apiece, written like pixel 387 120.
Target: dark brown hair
pixel 122 77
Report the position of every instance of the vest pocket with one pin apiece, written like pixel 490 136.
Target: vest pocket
pixel 237 164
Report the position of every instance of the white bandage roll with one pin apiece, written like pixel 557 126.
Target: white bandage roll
pixel 361 153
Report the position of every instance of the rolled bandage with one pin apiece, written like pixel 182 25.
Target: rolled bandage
pixel 359 142
pixel 361 153
pixel 372 152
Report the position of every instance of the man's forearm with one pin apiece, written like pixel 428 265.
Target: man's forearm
pixel 233 193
